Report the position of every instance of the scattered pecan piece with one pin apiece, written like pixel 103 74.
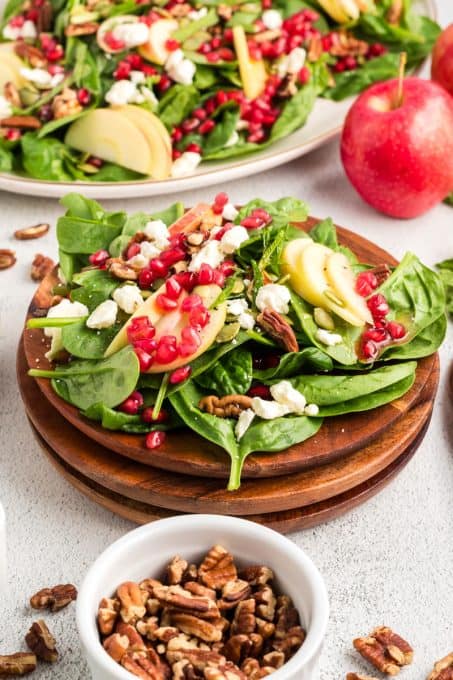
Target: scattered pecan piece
pixel 278 328
pixel 287 617
pixel 33 55
pixel 41 642
pixel 136 642
pixel 11 94
pixel 18 664
pixel 381 272
pixel 244 620
pixel 132 602
pixel 443 669
pixel 175 571
pixel 290 643
pixel 256 575
pixel 28 233
pixel 199 628
pixel 45 16
pixel 145 665
pixel 217 568
pixel 253 670
pixel 274 659
pixel 233 592
pixel 108 614
pixel 265 603
pixel 395 12
pixel 88 28
pixel 121 270
pixel 315 49
pixel 177 597
pixel 385 650
pixel 41 266
pixel 230 406
pixel 226 671
pixel 270 34
pixel 24 122
pixel 116 646
pixel 55 598
pixel 358 676
pixel 239 647
pixel 345 44
pixel 7 258
pixel 197 589
pixel 66 104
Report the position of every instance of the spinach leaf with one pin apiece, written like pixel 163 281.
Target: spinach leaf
pixel 261 239
pixel 350 83
pixel 85 236
pixel 293 363
pixel 425 343
pixel 84 383
pixel 110 172
pixel 446 274
pixel 6 158
pixel 295 112
pixel 326 234
pixel 177 103
pixel 369 401
pixel 283 211
pixel 116 420
pixel 96 285
pixel 233 375
pixel 205 77
pixel 87 343
pixel 69 263
pixel 226 125
pixel 449 199
pixel 191 27
pixel 47 159
pixel 57 123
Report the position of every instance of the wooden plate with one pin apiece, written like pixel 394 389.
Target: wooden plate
pixel 190 454
pixel 197 494
pixel 284 521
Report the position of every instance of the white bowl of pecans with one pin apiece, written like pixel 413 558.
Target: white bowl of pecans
pixel 203 597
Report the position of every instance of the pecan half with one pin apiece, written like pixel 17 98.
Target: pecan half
pixel 55 598
pixel 199 628
pixel 256 575
pixel 315 49
pixel 233 592
pixel 136 642
pixel 358 676
pixel 177 597
pixel 265 603
pixel 28 233
pixel 116 646
pixel 33 55
pixel 385 650
pixel 66 104
pixel 145 665
pixel 7 258
pixel 24 122
pixel 230 406
pixel 88 28
pixel 395 12
pixel 41 642
pixel 345 44
pixel 132 602
pixel 244 620
pixel 217 568
pixel 18 664
pixel 108 614
pixel 121 270
pixel 239 647
pixel 175 571
pixel 11 94
pixel 443 669
pixel 226 671
pixel 45 16
pixel 381 272
pixel 41 266
pixel 278 328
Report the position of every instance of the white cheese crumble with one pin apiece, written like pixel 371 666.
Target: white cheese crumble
pixel 138 260
pixel 64 310
pixel 292 62
pixel 197 14
pixel 210 254
pixel 149 250
pixel 149 96
pixel 328 338
pixel 180 69
pixel 124 92
pixel 128 298
pixel 156 230
pixel 137 77
pixel 229 212
pixel 284 393
pixel 185 164
pixel 131 34
pixel 244 421
pixel 232 139
pixel 232 239
pixel 246 321
pixel 268 410
pixel 311 410
pixel 237 307
pixel 274 296
pixel 104 315
pixel 272 19
pixel 27 30
pixel 6 110
pixel 41 77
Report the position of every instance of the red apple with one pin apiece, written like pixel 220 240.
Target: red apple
pixel 399 154
pixel 442 63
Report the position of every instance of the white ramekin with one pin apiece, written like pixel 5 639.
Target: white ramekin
pixel 3 575
pixel 144 552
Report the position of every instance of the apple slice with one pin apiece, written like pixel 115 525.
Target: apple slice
pixel 341 277
pixel 110 135
pixel 155 134
pixel 253 72
pixel 191 219
pixel 108 26
pixel 159 32
pixel 10 66
pixel 342 11
pixel 289 262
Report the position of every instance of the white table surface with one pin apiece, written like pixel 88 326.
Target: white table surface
pixel 388 561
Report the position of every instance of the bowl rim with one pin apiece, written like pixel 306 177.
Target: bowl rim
pixel 316 631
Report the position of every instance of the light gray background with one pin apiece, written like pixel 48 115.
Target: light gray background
pixel 389 561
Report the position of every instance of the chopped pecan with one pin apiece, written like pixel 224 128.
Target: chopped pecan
pixel 33 55
pixel 199 658
pixel 88 28
pixel 191 574
pixel 200 628
pixel 265 628
pixel 233 592
pixel 381 272
pixel 385 650
pixel 239 647
pixel 359 676
pixel 108 614
pixel 116 646
pixel 148 585
pixel 132 602
pixel 274 659
pixel 443 669
pixel 395 12
pixel 147 627
pixel 121 270
pixel 41 642
pixel 11 94
pixel 225 671
pixel 230 406
pixel 41 266
pixel 288 645
pixel 278 328
pixel 287 617
pixel 345 44
pixel 315 49
pixel 7 258
pixel 244 620
pixel 18 664
pixel 270 34
pixel 217 568
pixel 256 575
pixel 175 571
pixel 225 12
pixel 253 670
pixel 35 231
pixel 135 639
pixel 265 603
pixel 198 589
pixel 183 670
pixel 66 104
pixel 45 16
pixel 288 87
pixel 177 597
pixel 144 665
pixel 23 122
pixel 55 598
pixel 166 633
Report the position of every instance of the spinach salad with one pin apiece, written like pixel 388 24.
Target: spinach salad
pixel 120 90
pixel 234 323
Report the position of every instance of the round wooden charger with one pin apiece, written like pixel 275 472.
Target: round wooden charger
pixel 190 454
pixel 185 493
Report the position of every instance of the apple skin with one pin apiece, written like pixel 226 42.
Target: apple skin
pixel 442 60
pixel 400 160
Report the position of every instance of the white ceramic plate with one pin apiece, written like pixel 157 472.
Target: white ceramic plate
pixel 325 122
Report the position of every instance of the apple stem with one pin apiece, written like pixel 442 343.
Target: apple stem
pixel 401 71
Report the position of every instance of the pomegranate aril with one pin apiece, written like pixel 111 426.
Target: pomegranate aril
pixel 172 256
pixel 396 330
pixel 370 349
pixel 221 98
pixel 188 280
pixel 146 278
pixel 135 61
pixel 133 250
pixel 149 345
pixel 365 283
pixel 190 335
pixel 173 288
pixel 99 258
pixel 155 439
pixel 377 304
pixel 145 360
pixel 226 54
pixel 189 125
pixel 171 45
pixel 45 113
pixel 56 54
pixel 261 391
pixel 215 43
pixel 205 274
pixel 140 328
pixel 177 134
pixel 180 374
pixel 122 71
pixel 13 135
pixel 251 222
pixel 204 48
pixel 194 148
pixel 378 335
pixel 227 267
pixel 164 83
pixel 147 415
pixel 206 127
pixel 190 302
pixel 212 57
pixel 200 114
pixel 83 96
pixel 167 350
pixel 304 75
pixel 166 303
pixel 262 215
pixel 132 404
pixel 159 269
pixel 199 317
pixel 219 278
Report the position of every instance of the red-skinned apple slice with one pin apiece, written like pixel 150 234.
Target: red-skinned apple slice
pixel 192 219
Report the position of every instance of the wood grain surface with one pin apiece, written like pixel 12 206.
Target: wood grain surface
pixel 186 453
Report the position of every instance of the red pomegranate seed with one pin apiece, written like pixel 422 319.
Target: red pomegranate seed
pixel 122 71
pixel 396 330
pixel 210 106
pixel 226 54
pixel 256 137
pixel 146 278
pixel 180 374
pixel 191 336
pixel 175 154
pixel 83 96
pixel 200 114
pixel 171 45
pixel 145 360
pixel 133 250
pixel 339 67
pixel 135 61
pixel 166 303
pixel 140 328
pixel 205 274
pixel 17 22
pixel 377 304
pixel 377 335
pixel 215 43
pixel 147 415
pixel 132 404
pixel 188 280
pixel 172 256
pixel 370 349
pixel 56 54
pixel 189 125
pixel 167 350
pixel 177 134
pixel 99 258
pixel 252 222
pixel 55 69
pixel 206 127
pixel 204 48
pixel 13 135
pixel 199 317
pixel 47 42
pixel 261 391
pixel 149 345
pixel 164 83
pixel 194 148
pixel 350 63
pixel 227 267
pixel 228 35
pixel 155 439
pixel 173 288
pixel 365 283
pixel 221 98
pixel 221 199
pixel 159 269
pixel 190 302
pixel 148 70
pixel 304 75
pixel 212 57
pixel 219 278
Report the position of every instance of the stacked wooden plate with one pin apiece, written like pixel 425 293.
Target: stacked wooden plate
pixel 350 459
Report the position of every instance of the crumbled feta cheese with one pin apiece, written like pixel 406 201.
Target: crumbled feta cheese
pixel 27 30
pixel 138 260
pixel 180 69
pixel 232 239
pixel 272 19
pixel 311 410
pixel 157 231
pixel 244 421
pixel 149 96
pixel 292 62
pixel 38 76
pixel 232 139
pixel 268 410
pixel 229 212
pixel 149 250
pixel 275 296
pixel 210 254
pixel 237 307
pixel 286 394
pixel 328 338
pixel 185 164
pixel 124 92
pixel 246 321
pixel 6 109
pixel 197 14
pixel 64 310
pixel 131 34
pixel 137 77
pixel 104 315
pixel 128 298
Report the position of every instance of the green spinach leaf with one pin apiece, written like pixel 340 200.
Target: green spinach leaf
pixel 293 363
pixel 233 375
pixel 87 343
